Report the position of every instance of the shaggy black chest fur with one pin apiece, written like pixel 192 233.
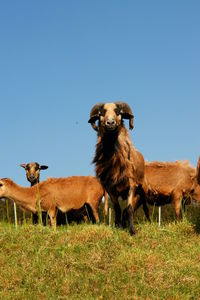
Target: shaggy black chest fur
pixel 110 165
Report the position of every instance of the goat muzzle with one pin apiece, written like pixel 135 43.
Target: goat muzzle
pixel 110 124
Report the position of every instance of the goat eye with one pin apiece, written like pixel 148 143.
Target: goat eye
pixel 117 111
pixel 1 184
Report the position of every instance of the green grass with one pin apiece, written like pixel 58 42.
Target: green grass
pixel 99 262
pixel 192 213
pixel 7 213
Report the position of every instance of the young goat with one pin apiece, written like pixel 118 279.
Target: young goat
pixel 33 176
pixel 119 166
pixel 33 171
pixel 62 193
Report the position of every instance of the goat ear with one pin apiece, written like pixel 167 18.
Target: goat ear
pixel 95 114
pixel 92 122
pixel 126 112
pixel 43 167
pixel 198 171
pixel 23 166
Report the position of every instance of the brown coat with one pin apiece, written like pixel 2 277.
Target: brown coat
pixel 64 193
pixel 118 164
pixel 33 176
pixel 170 182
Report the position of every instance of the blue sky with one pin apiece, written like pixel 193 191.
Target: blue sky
pixel 59 58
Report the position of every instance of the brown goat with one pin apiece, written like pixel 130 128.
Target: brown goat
pixel 118 165
pixel 62 193
pixel 33 176
pixel 33 171
pixel 171 182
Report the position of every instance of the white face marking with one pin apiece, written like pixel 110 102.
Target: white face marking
pixel 110 110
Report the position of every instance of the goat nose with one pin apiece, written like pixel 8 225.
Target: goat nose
pixel 32 176
pixel 110 122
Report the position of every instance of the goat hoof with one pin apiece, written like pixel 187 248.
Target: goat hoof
pixel 132 231
pixel 119 226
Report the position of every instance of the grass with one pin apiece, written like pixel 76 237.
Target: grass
pixel 100 262
pixel 192 213
pixel 7 213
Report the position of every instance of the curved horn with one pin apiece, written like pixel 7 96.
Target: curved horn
pixel 126 112
pixel 94 115
pixel 198 171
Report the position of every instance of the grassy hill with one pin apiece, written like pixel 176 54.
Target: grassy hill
pixel 100 262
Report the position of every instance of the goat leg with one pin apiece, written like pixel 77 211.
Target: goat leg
pixel 132 201
pixel 117 210
pixel 177 206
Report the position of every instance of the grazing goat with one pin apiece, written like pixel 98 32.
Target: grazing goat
pixel 62 193
pixel 118 165
pixel 33 176
pixel 172 182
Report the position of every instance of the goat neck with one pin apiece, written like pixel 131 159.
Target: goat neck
pixel 113 160
pixel 24 197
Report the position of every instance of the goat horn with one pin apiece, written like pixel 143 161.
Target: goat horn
pixel 94 115
pixel 126 112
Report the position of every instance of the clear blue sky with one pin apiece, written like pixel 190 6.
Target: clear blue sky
pixel 59 58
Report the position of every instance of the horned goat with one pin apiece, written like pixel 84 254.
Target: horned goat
pixel 118 164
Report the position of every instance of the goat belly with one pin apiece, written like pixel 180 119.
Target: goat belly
pixel 119 188
pixel 123 193
pixel 159 198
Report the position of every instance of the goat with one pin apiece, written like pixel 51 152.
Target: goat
pixel 118 164
pixel 172 182
pixel 33 171
pixel 33 176
pixel 62 193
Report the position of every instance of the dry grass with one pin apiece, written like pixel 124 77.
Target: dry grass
pixel 99 262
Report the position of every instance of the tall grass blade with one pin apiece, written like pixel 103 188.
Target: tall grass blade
pixel 153 212
pixel 3 211
pixel 39 212
pixel 66 218
pixel 7 211
pixel 24 217
pixel 109 214
pixel 87 213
